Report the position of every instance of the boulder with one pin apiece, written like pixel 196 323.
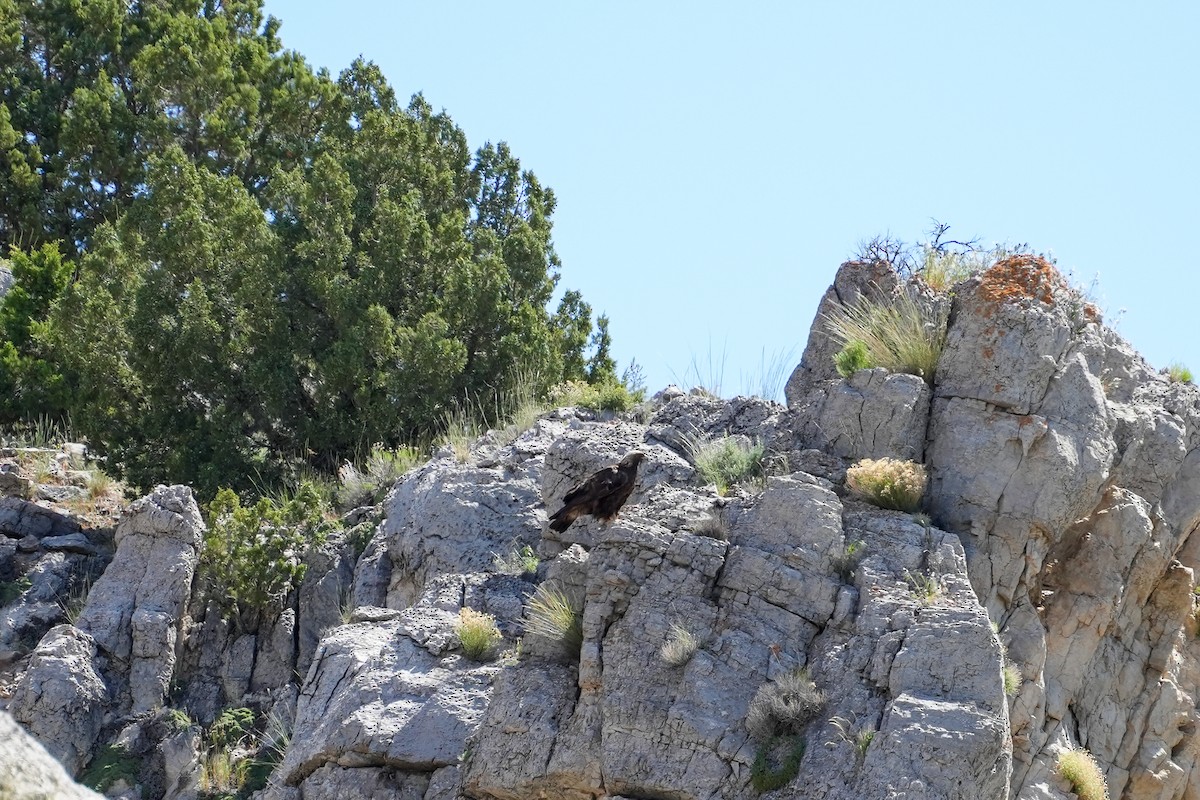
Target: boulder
pixel 29 772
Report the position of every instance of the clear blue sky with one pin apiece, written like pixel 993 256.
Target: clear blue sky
pixel 713 165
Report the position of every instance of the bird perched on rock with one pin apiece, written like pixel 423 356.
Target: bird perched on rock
pixel 601 495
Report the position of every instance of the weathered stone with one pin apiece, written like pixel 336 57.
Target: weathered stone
pixel 374 697
pixel 29 772
pixel 21 518
pixel 62 698
pixel 134 609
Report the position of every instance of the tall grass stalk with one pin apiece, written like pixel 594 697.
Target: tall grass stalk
pixel 899 333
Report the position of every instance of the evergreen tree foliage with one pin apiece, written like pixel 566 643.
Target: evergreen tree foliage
pixel 259 262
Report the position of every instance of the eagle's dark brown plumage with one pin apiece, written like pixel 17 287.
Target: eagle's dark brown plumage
pixel 601 495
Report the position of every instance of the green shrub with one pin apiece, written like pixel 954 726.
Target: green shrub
pixel 253 555
pixel 899 334
pixel 680 646
pixel 852 358
pixel 177 720
pixel 231 727
pixel 604 396
pixel 784 706
pixel 1178 373
pixel 113 763
pixel 552 616
pixel 776 763
pixel 477 634
pixel 11 590
pixel 1080 769
pixel 727 461
pixel 888 482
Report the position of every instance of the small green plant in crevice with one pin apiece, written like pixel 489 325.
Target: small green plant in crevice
pixel 231 727
pixel 900 333
pixel 852 358
pixel 113 763
pixel 177 720
pixel 477 634
pixel 519 561
pixel 680 646
pixel 776 762
pixel 11 590
pixel 552 616
pixel 253 556
pixel 1178 373
pixel 1080 769
pixel 846 562
pixel 847 732
pixel 256 771
pixel 783 707
pixel 926 589
pixel 726 461
pixel 888 482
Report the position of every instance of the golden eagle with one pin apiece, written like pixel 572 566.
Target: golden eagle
pixel 601 495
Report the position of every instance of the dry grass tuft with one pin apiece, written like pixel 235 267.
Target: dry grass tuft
pixel 888 482
pixel 1079 767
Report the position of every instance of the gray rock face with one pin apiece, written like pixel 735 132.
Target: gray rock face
pixel 134 609
pixel 28 772
pixel 61 698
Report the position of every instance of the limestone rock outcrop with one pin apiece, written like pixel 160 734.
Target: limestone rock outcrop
pixel 1045 599
pixel 28 772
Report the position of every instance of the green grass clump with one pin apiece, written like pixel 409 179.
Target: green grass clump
pixel 888 482
pixel 899 334
pixel 680 646
pixel 727 461
pixel 1178 373
pixel 520 561
pixel 852 358
pixel 1012 678
pixel 113 763
pixel 364 484
pixel 551 616
pixel 604 396
pixel 925 588
pixel 776 763
pixel 477 634
pixel 1080 769
pixel 231 727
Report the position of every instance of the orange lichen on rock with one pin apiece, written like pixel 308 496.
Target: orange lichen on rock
pixel 1021 276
